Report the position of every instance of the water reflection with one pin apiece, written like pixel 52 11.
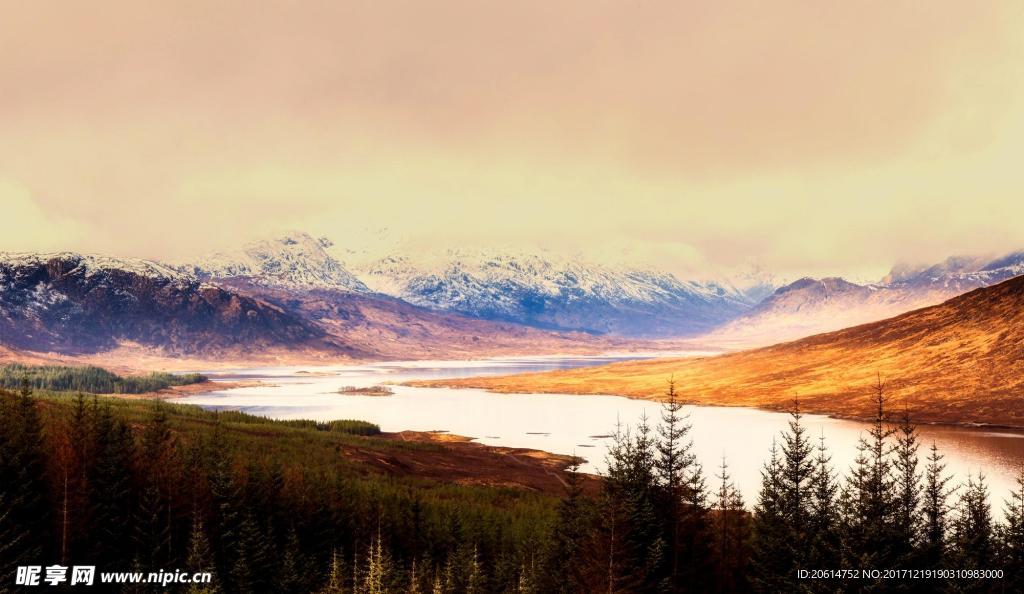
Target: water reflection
pixel 578 424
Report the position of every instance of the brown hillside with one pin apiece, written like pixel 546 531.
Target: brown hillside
pixel 961 361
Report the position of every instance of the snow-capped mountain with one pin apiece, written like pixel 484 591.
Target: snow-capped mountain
pixel 959 274
pixel 295 261
pixel 547 291
pixel 74 303
pixel 812 306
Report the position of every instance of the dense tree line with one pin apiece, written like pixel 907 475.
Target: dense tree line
pixel 95 380
pixel 90 481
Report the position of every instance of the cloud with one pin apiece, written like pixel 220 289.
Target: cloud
pixel 26 227
pixel 823 137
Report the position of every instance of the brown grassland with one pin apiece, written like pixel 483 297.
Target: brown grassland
pixel 958 362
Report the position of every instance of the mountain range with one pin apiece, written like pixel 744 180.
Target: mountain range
pixel 536 290
pixel 80 305
pixel 812 306
pixel 70 303
pixel 296 293
pixel 557 293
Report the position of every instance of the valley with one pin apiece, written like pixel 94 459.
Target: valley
pixel 958 362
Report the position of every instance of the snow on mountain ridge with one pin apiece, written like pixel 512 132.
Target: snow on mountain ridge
pixel 813 306
pixel 550 275
pixel 92 264
pixel 296 261
pixel 550 290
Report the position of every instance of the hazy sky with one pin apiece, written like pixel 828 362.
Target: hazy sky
pixel 813 137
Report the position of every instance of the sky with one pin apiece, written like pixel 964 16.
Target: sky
pixel 812 137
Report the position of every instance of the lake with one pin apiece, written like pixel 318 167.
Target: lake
pixel 570 424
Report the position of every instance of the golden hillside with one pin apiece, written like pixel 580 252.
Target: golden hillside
pixel 961 361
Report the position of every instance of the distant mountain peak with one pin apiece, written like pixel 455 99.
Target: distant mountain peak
pixel 90 264
pixel 74 303
pixel 550 290
pixel 296 260
pixel 810 305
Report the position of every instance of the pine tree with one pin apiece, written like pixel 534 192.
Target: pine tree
pixel 249 557
pixel 907 516
pixel 867 500
pixel 797 470
pixel 632 518
pixel 1011 538
pixel 822 519
pixel 200 559
pixel 525 585
pixel 76 458
pixel 783 538
pixel 973 530
pixel 474 574
pixel 24 523
pixel 934 511
pixel 730 531
pixel 682 545
pixel 224 518
pixel 291 575
pixel 379 568
pixel 109 490
pixel 565 564
pixel 414 580
pixel 153 530
pixel 336 575
pixel 771 531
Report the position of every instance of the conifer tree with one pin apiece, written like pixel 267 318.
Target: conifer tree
pixel 682 547
pixel 109 490
pixel 730 534
pixel 24 524
pixel 474 574
pixel 632 520
pixel 567 558
pixel 770 530
pixel 525 584
pixel 797 470
pixel 414 580
pixel 379 571
pixel 153 530
pixel 907 516
pixel 973 530
pixel 934 510
pixel 867 500
pixel 822 517
pixel 76 458
pixel 336 575
pixel 249 557
pixel 200 559
pixel 782 516
pixel 291 576
pixel 1011 538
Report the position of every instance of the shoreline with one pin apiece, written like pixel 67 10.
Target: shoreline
pixel 456 384
pixel 198 389
pixel 130 359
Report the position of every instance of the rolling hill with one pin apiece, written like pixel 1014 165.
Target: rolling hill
pixel 961 361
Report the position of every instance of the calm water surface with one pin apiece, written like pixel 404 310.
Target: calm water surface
pixel 580 425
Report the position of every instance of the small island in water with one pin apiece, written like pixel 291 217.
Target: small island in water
pixel 366 391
